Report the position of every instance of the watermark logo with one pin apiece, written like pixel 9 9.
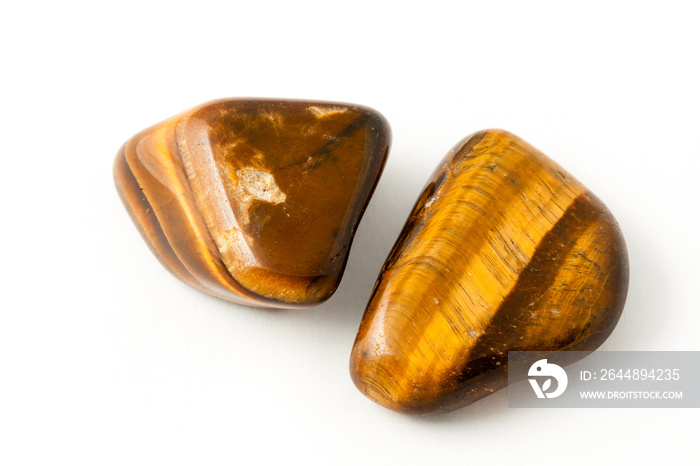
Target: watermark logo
pixel 543 370
pixel 604 379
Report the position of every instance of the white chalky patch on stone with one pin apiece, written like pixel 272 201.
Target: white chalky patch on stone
pixel 258 185
pixel 322 112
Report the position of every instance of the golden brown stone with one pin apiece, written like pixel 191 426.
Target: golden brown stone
pixel 504 251
pixel 255 201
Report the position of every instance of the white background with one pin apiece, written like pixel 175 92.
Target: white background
pixel 105 358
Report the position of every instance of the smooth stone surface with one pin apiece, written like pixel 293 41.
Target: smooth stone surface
pixel 504 251
pixel 255 201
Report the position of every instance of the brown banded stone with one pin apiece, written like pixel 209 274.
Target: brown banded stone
pixel 504 251
pixel 255 201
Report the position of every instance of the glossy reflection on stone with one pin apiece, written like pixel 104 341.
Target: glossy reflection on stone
pixel 504 251
pixel 255 201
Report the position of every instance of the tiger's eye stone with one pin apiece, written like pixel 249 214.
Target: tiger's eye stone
pixel 504 251
pixel 255 201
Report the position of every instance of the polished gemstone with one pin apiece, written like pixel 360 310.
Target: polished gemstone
pixel 255 201
pixel 504 251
